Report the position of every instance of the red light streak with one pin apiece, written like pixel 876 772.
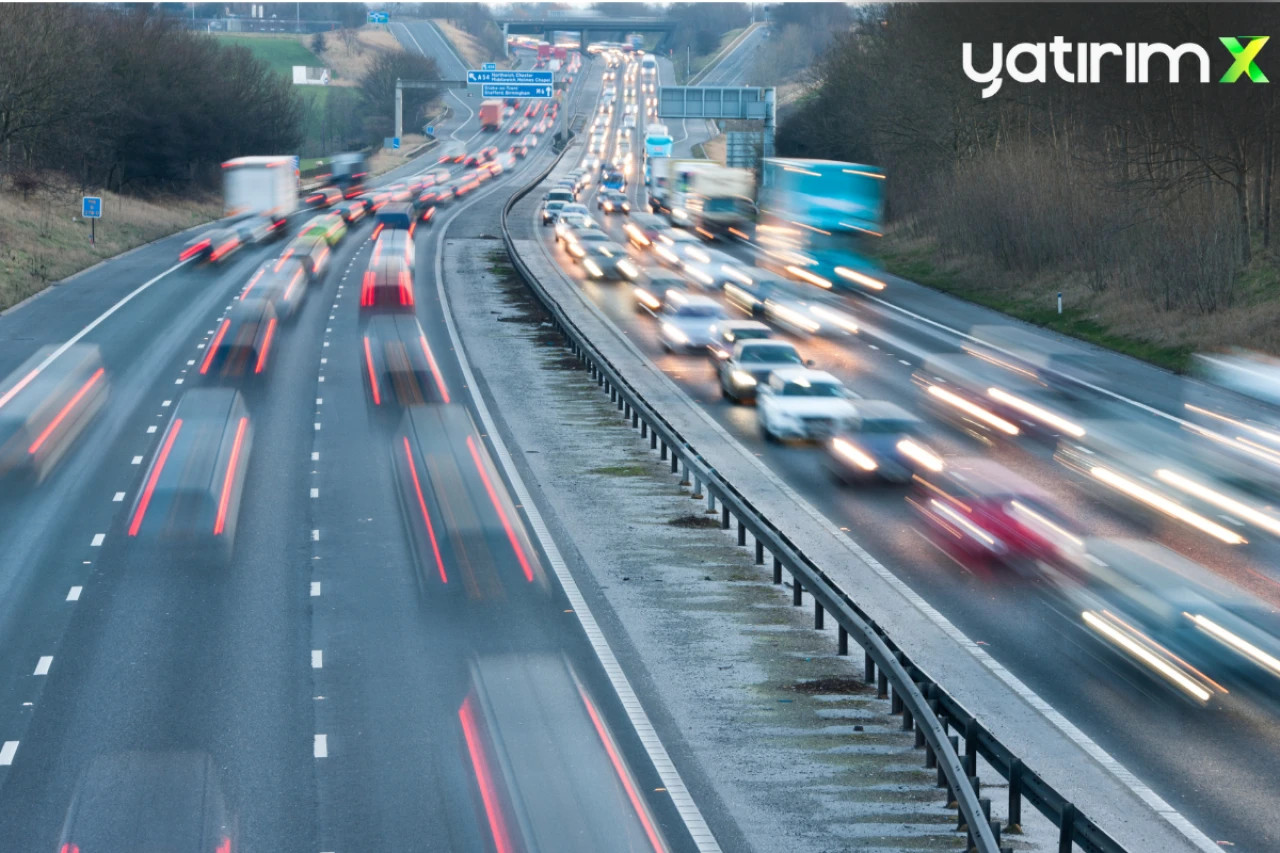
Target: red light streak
pixel 219 523
pixel 266 345
pixel 213 346
pixel 488 794
pixel 150 488
pixel 649 829
pixel 422 505
pixel 71 404
pixel 435 371
pixel 497 505
pixel 373 376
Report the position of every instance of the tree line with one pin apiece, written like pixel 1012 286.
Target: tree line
pixel 1163 189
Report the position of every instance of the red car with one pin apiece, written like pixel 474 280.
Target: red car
pixel 982 514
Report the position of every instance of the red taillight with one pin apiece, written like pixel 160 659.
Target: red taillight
pixel 228 481
pixel 297 276
pixel 213 346
pixel 252 282
pixel 422 505
pixel 412 226
pixel 373 375
pixel 435 371
pixel 224 846
pixel 428 213
pixel 377 231
pixel 324 255
pixel 192 251
pixel 224 249
pixel 71 404
pixel 502 515
pixel 406 288
pixel 484 778
pixel 366 289
pixel 150 488
pixel 266 346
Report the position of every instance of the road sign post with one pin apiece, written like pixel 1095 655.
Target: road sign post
pixel 91 209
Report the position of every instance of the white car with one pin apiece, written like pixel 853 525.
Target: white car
pixel 712 268
pixel 568 223
pixel 811 405
pixel 686 321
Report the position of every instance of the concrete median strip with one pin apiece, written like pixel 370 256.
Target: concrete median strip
pixel 1099 786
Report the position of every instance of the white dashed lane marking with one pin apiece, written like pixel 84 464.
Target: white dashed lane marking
pixel 74 593
pixel 97 540
pixel 119 496
pixel 137 460
pixel 151 429
pixel 7 752
pixel 315 589
pixel 322 746
pixel 42 666
pixel 317 659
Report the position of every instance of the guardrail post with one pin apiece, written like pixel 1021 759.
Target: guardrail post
pixel 930 757
pixel 797 591
pixel 635 420
pixel 711 501
pixel 895 702
pixel 697 488
pixel 1066 829
pixel 882 684
pixel 626 410
pixel 613 393
pixel 653 440
pixel 621 403
pixel 663 454
pixel 684 475
pixel 724 517
pixel 1015 795
pixel 868 668
pixel 971 747
pixel 742 533
pixel 842 644
pixel 777 570
pixel 644 429
pixel 759 552
pixel 675 461
pixel 818 614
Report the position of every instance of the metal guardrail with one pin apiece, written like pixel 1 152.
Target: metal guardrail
pixel 924 705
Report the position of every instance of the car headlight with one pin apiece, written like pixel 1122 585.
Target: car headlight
pixel 576 250
pixel 648 298
pixel 674 333
pixel 680 214
pixel 593 267
pixel 741 377
pixel 627 268
pixel 852 453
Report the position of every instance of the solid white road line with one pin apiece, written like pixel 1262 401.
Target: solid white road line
pixel 74 594
pixel 7 752
pixel 42 665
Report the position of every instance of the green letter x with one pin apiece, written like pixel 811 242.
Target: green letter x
pixel 1244 55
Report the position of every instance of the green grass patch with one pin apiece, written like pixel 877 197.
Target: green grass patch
pixel 920 266
pixel 280 52
pixel 622 470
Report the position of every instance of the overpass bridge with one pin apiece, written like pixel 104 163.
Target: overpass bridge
pixel 584 25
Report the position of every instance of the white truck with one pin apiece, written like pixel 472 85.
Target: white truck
pixel 719 198
pixel 668 182
pixel 260 186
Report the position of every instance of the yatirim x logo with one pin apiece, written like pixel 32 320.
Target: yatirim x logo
pixel 1244 54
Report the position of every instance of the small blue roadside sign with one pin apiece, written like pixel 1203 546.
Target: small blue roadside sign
pixel 506 90
pixel 91 207
pixel 395 142
pixel 543 78
pixel 491 66
pixel 431 130
pixel 379 17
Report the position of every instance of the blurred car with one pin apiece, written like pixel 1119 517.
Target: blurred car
pixel 283 281
pixel 520 151
pixel 45 407
pixel 712 268
pixel 808 316
pixel 605 260
pixel 749 364
pixel 148 801
pixel 191 492
pixel 651 289
pixel 212 245
pixel 728 333
pixel 551 210
pixel 805 404
pixel 984 398
pixel 613 201
pixel 983 515
pixel 571 221
pixel 541 789
pixel 751 295
pixel 883 442
pixel 670 246
pixel 643 229
pixel 388 283
pixel 259 229
pixel 353 210
pixel 578 240
pixel 395 216
pixel 466 533
pixel 398 367
pixel 313 252
pixel 686 320
pixel 324 197
pixel 242 342
pixel 331 227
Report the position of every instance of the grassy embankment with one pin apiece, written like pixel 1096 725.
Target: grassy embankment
pixel 44 240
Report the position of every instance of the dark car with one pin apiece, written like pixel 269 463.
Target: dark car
pixel 353 210
pixel 242 342
pixel 883 442
pixel 192 488
pixel 212 246
pixel 283 281
pixel 396 215
pixel 398 367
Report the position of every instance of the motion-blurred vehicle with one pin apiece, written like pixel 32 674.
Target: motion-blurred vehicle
pixel 652 286
pixel 604 260
pixel 395 217
pixel 686 320
pixel 990 397
pixel 241 345
pixel 549 773
pixel 728 333
pixel 331 228
pixel 466 532
pixel 347 172
pixel 551 210
pixel 44 407
pixel 985 516
pixel 313 252
pixel 643 229
pixel 490 115
pixel 570 222
pixel 613 201
pixel 148 802
pixel 749 364
pixel 397 365
pixel 578 240
pixel 670 245
pixel 324 197
pixel 884 442
pixel 804 404
pixel 212 245
pixel 713 269
pixel 388 283
pixel 353 210
pixel 520 151
pixel 1170 617
pixel 283 281
pixel 750 295
pixel 190 496
pixel 260 186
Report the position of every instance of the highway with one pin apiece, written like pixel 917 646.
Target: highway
pixel 338 693
pixel 735 68
pixel 1215 764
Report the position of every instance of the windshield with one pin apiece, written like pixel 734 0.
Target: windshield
pixel 813 389
pixel 775 355
pixel 699 311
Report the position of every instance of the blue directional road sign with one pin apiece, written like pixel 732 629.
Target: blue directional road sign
pixel 542 78
pixel 505 90
pixel 91 207
pixel 431 130
pixel 379 17
pixel 395 142
pixel 491 66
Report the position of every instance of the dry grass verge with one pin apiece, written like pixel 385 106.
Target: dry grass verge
pixel 386 159
pixel 43 239
pixel 470 50
pixel 352 61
